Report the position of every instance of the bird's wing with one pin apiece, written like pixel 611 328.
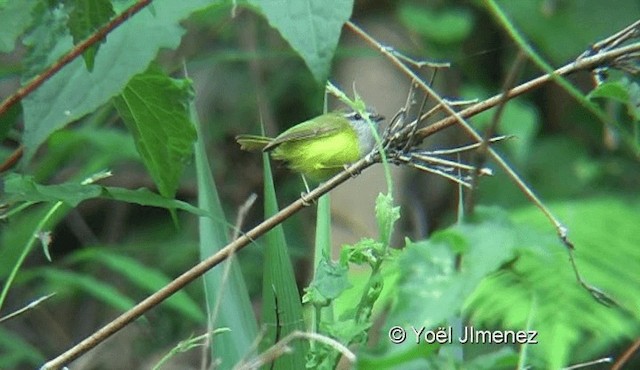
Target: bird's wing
pixel 309 129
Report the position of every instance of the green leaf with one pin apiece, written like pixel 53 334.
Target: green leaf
pixel 446 26
pixel 15 18
pixel 228 302
pixel 330 281
pixel 24 188
pixel 86 17
pixel 625 91
pixel 73 91
pixel 615 90
pixel 154 107
pixel 312 28
pixel 386 216
pixel 149 279
pixel 281 303
pixel 437 275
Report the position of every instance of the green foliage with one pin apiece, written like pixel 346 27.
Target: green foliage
pixel 331 287
pixel 540 287
pixel 73 92
pixel 155 109
pixel 564 29
pixel 330 282
pixel 146 279
pixel 445 26
pixel 17 351
pixel 87 16
pixel 622 94
pixel 311 27
pixel 25 189
pixel 437 275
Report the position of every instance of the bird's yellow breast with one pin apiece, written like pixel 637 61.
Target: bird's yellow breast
pixel 320 157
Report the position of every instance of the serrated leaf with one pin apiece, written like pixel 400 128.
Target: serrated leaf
pixel 86 17
pixel 154 108
pixel 73 91
pixel 15 18
pixel 24 188
pixel 312 28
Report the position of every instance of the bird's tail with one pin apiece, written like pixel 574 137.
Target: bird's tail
pixel 253 143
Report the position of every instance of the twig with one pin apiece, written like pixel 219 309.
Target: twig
pixel 599 361
pixel 481 153
pixel 459 118
pixel 626 356
pixel 281 348
pixel 26 308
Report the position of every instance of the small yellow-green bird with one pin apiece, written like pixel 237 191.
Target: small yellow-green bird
pixel 320 147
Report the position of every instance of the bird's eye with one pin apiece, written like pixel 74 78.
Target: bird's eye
pixel 357 117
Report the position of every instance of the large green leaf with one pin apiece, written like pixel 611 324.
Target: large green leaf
pixel 128 50
pixel 281 303
pixel 312 28
pixel 228 302
pixel 154 107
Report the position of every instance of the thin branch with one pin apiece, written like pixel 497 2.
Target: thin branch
pixel 626 356
pixel 481 154
pixel 26 308
pixel 282 348
pixel 459 118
